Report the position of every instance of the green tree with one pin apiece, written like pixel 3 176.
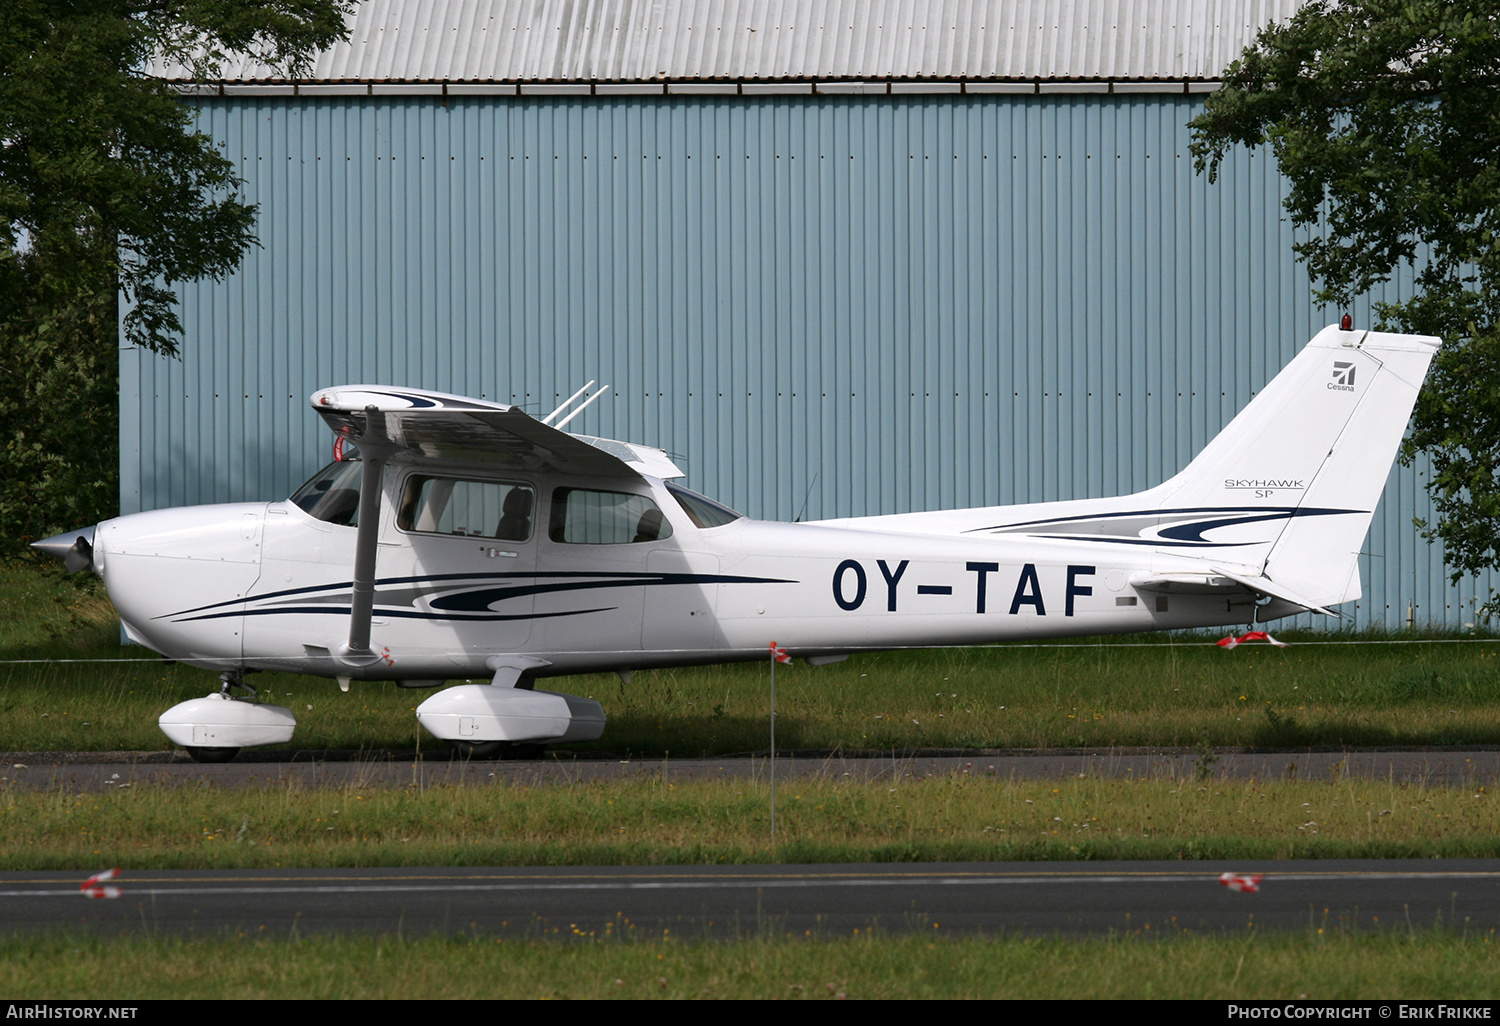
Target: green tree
pixel 109 198
pixel 1384 116
pixel 59 426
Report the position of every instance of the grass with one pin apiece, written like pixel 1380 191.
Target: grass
pixel 1336 965
pixel 1182 695
pixel 1172 691
pixel 1180 692
pixel 967 817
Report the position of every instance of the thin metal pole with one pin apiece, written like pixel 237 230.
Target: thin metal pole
pixel 773 744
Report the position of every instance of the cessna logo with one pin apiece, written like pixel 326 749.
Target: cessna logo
pixel 1343 377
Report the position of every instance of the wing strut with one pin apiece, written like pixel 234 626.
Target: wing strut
pixel 375 449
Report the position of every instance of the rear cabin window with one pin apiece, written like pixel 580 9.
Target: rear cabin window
pixel 584 517
pixel 332 495
pixel 432 504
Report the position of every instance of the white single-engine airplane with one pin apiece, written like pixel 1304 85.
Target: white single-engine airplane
pixel 471 540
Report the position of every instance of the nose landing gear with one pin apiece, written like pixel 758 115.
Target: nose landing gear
pixel 214 728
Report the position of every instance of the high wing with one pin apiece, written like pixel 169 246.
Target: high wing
pixel 414 425
pixel 408 425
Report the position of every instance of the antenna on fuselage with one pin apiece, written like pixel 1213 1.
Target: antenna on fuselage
pixel 567 402
pixel 582 406
pixel 803 510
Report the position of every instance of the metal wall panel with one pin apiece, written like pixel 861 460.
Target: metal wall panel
pixel 650 40
pixel 823 306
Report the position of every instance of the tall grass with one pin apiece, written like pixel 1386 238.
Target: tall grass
pixel 970 816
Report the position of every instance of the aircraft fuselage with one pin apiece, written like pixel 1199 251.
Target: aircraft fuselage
pixel 267 586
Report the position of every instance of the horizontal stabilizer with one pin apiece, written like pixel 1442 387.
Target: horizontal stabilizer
pixel 1269 588
pixel 1184 583
pixel 1216 580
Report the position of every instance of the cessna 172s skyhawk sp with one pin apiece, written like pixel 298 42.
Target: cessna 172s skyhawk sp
pixel 470 540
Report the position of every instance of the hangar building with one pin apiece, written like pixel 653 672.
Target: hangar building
pixel 841 257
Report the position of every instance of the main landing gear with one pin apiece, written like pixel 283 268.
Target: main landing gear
pixel 494 721
pixel 214 728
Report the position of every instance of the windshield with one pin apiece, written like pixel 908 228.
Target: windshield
pixel 701 510
pixel 332 495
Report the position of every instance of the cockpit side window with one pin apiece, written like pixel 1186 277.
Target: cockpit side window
pixel 475 509
pixel 584 517
pixel 332 495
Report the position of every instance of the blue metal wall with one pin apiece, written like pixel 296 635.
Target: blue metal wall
pixel 866 305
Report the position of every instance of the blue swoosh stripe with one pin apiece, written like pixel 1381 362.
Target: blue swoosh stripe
pixel 469 604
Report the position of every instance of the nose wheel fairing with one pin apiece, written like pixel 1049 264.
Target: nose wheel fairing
pixel 218 721
pixel 214 728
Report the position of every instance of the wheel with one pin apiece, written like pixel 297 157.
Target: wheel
pixel 498 749
pixel 479 749
pixel 212 754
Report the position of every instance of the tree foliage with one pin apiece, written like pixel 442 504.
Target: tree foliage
pixel 99 164
pixel 59 424
pixel 1384 116
pixel 108 192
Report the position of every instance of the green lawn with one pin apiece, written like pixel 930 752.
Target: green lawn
pixel 1317 965
pixel 91 694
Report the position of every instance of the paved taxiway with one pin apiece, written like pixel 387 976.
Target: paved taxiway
pixel 1145 898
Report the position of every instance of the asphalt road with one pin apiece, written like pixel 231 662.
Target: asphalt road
pixel 1146 898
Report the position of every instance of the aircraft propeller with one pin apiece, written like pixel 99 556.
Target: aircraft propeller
pixel 74 548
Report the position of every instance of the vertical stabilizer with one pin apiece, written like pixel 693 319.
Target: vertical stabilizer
pixel 1280 500
pixel 1310 454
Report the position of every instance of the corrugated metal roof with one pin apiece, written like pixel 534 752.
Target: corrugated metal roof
pixel 756 40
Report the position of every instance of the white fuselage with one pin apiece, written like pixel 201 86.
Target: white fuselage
pixel 267 586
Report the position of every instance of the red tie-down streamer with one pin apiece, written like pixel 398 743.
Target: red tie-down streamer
pixel 94 887
pixel 1245 883
pixel 1232 641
